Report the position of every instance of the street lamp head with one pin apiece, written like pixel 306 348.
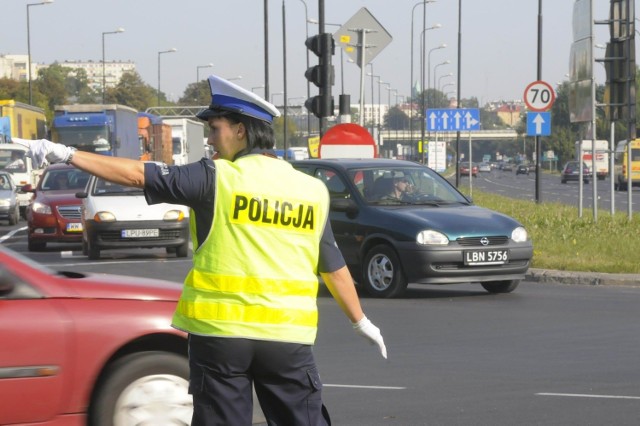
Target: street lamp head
pixel 173 49
pixel 118 30
pixel 47 1
pixel 442 46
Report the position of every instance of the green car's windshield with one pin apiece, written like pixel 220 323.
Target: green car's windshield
pixel 404 185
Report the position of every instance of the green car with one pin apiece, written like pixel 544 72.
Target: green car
pixel 429 234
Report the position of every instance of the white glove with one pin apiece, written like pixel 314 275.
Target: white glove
pixel 41 149
pixel 366 329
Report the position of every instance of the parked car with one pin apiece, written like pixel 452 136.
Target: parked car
pixel 571 171
pixel 89 349
pixel 522 169
pixel 434 235
pixel 484 167
pixel 464 169
pixel 53 215
pixel 116 216
pixel 9 206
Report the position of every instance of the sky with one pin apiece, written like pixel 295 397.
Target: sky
pixel 498 49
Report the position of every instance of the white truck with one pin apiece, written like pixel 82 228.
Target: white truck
pixel 14 160
pixel 186 135
pixel 602 156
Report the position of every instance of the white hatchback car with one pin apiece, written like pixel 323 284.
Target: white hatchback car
pixel 116 216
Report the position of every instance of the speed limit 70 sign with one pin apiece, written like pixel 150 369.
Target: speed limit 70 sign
pixel 539 96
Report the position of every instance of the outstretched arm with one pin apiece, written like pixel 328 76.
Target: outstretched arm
pixel 114 169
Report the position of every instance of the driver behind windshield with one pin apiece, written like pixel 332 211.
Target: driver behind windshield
pixel 399 189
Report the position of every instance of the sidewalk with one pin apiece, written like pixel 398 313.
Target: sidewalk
pixel 582 278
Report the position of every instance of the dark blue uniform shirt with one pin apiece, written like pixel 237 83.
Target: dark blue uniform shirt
pixel 193 185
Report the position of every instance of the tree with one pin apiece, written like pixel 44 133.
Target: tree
pixel 77 86
pixel 396 119
pixel 197 94
pixel 11 89
pixel 133 92
pixel 51 86
pixel 292 130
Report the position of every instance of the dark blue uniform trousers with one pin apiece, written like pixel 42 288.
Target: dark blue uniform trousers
pixel 284 375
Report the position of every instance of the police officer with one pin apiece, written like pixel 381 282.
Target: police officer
pixel 261 236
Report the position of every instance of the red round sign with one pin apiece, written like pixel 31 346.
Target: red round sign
pixel 539 96
pixel 347 140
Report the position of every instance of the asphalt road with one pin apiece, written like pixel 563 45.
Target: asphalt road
pixel 547 354
pixel 508 184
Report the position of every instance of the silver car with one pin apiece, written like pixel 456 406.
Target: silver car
pixel 9 208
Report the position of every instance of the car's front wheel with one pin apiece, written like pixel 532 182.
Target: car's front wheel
pixel 14 217
pixel 33 245
pixel 146 388
pixel 182 250
pixel 382 274
pixel 93 251
pixel 506 286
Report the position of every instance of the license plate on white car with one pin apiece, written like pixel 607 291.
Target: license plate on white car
pixel 140 233
pixel 74 227
pixel 486 257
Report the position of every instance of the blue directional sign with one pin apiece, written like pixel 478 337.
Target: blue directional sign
pixel 538 123
pixel 453 119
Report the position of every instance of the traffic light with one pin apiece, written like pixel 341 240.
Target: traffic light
pixel 322 75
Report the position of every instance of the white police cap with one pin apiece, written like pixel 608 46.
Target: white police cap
pixel 228 97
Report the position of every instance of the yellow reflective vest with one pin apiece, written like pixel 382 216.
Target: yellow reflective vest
pixel 255 276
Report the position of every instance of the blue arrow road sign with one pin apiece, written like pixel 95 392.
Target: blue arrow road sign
pixel 453 119
pixel 538 123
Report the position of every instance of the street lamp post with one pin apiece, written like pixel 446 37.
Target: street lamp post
pixel 257 87
pixel 373 118
pixel 306 23
pixel 435 68
pixel 423 103
pixel 424 3
pixel 273 95
pixel 198 68
pixel 104 78
pixel 442 46
pixel 29 46
pixel 447 85
pixel 440 80
pixel 173 49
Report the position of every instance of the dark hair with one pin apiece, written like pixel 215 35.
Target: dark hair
pixel 259 132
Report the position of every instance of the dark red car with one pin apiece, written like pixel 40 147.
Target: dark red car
pixel 89 349
pixel 53 215
pixel 465 170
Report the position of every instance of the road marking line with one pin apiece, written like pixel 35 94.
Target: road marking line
pixel 11 234
pixel 363 387
pixel 580 395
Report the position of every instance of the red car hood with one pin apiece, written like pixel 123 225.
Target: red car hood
pixel 98 286
pixel 60 197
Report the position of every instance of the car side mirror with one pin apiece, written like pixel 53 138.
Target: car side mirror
pixel 81 194
pixel 346 205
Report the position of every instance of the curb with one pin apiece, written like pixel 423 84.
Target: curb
pixel 582 278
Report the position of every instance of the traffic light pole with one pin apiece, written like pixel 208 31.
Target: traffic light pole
pixel 539 77
pixel 322 75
